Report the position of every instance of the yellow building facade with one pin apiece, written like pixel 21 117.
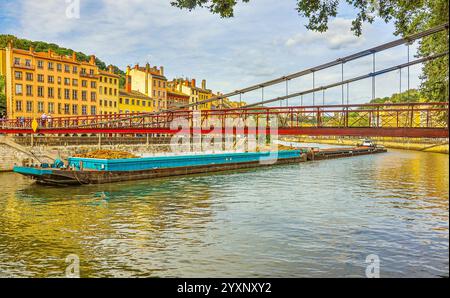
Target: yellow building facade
pixel 134 102
pixel 108 92
pixel 44 82
pixel 195 93
pixel 151 82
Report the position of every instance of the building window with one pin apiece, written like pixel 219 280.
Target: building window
pixel 51 107
pixel 127 101
pixel 93 96
pixel 59 93
pixel 75 69
pixel 84 110
pixel 19 106
pixel 29 76
pixel 74 109
pixel 50 92
pixel 29 90
pixel 29 106
pixel 51 79
pixel 28 62
pixel 40 64
pixel 83 95
pixel 40 91
pixel 75 82
pixel 40 107
pixel 93 110
pixel 18 75
pixel 16 61
pixel 91 72
pixel 67 109
pixel 67 68
pixel 100 90
pixel 93 84
pixel 132 102
pixel 66 94
pixel 115 92
pixel 106 90
pixel 138 102
pixel 67 81
pixel 59 67
pixel 40 78
pixel 74 94
pixel 84 83
pixel 50 66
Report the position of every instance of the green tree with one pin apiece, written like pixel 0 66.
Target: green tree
pixel 2 95
pixel 409 16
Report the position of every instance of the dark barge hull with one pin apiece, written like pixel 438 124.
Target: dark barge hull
pixel 68 177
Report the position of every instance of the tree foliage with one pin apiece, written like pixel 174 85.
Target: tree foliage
pixel 2 95
pixel 411 95
pixel 408 16
pixel 225 8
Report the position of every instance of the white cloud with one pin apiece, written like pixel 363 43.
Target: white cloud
pixel 338 36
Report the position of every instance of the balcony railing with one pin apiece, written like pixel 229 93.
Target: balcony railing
pixel 88 75
pixel 24 66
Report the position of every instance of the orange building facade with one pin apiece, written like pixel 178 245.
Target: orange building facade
pixel 39 83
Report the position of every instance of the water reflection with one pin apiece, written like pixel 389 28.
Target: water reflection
pixel 313 219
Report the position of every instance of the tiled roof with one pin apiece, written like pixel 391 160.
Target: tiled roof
pixel 133 94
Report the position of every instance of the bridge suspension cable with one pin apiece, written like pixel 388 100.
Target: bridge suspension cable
pixel 355 79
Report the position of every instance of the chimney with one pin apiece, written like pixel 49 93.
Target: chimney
pixel 204 84
pixel 147 71
pixel 111 69
pixel 92 60
pixel 74 56
pixel 128 79
pixel 31 50
pixel 193 83
pixel 161 70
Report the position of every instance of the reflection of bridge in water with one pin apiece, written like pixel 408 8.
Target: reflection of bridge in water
pixel 424 119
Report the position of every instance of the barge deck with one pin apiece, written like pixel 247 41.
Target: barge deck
pixel 96 171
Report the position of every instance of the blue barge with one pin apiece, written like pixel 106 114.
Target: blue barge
pixel 95 171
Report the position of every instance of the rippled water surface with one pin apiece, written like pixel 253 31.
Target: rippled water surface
pixel 318 219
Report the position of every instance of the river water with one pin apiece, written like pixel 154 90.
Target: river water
pixel 315 219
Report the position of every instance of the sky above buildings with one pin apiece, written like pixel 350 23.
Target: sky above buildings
pixel 266 39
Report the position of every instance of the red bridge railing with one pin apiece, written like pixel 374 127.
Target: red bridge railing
pixel 393 119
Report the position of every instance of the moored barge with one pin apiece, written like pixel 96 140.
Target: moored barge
pixel 80 171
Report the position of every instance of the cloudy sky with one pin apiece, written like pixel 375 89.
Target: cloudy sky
pixel 266 39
